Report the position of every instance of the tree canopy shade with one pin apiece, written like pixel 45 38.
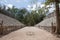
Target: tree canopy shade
pixel 50 1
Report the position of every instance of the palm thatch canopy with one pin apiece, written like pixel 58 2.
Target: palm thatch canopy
pixel 8 21
pixel 47 22
pixel 8 24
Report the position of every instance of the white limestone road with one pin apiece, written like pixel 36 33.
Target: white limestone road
pixel 29 33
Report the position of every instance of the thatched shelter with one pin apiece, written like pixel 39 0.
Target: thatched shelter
pixel 47 23
pixel 10 23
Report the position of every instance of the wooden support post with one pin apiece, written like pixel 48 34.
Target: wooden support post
pixel 53 27
pixel 1 27
pixel 57 17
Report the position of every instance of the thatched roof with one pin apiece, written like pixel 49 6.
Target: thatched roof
pixel 47 22
pixel 8 21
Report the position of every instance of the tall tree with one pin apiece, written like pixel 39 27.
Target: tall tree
pixel 57 13
pixel 57 17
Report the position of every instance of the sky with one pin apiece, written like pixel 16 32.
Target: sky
pixel 19 3
pixel 25 4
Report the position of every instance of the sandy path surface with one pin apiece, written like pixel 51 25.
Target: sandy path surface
pixel 29 33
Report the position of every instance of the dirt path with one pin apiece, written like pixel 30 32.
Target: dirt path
pixel 29 33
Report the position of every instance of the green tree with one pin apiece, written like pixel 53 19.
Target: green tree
pixel 21 14
pixel 33 18
pixel 13 10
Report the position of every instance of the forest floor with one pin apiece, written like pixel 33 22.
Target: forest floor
pixel 30 33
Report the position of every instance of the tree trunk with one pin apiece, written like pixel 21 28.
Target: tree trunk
pixel 57 17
